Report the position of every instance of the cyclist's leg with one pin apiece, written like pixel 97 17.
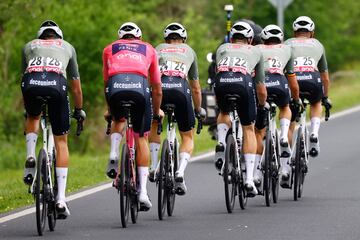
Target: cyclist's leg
pixel 259 134
pixel 249 150
pixel 117 128
pixel 154 140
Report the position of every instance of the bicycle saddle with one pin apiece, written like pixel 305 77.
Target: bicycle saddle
pixel 169 107
pixel 232 97
pixel 127 104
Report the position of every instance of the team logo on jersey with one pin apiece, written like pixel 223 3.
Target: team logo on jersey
pixel 173 50
pixel 132 47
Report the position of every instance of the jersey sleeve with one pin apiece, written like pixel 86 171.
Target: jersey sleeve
pixel 194 71
pixel 154 69
pixel 105 65
pixel 23 60
pixel 259 71
pixel 322 64
pixel 73 68
pixel 290 64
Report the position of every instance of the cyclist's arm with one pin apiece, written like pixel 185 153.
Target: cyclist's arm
pixel 23 61
pixel 77 93
pixel 195 84
pixel 291 77
pixel 73 73
pixel 324 74
pixel 259 80
pixel 155 82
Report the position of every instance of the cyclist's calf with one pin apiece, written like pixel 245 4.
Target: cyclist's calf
pixel 62 151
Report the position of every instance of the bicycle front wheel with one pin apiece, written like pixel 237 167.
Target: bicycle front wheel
pixel 297 161
pixel 275 171
pixel 171 180
pixel 51 204
pixel 229 173
pixel 123 187
pixel 267 160
pixel 40 198
pixel 162 198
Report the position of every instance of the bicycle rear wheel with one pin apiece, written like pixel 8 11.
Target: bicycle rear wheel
pixel 275 171
pixel 171 180
pixel 297 169
pixel 241 188
pixel 302 173
pixel 51 203
pixel 134 203
pixel 267 171
pixel 229 173
pixel 162 198
pixel 40 198
pixel 123 187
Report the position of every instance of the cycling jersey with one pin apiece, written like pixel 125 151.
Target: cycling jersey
pixel 309 55
pixel 178 60
pixel 277 58
pixel 130 56
pixel 51 55
pixel 242 58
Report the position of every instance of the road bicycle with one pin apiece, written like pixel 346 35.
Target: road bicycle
pixel 169 164
pixel 44 185
pixel 233 169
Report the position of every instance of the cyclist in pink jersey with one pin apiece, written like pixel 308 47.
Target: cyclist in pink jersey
pixel 128 63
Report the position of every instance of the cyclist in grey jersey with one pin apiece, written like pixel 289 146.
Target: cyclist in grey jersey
pixel 279 77
pixel 47 62
pixel 181 86
pixel 236 62
pixel 310 67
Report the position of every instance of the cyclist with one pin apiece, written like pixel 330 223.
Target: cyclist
pixel 127 65
pixel 47 63
pixel 180 83
pixel 310 67
pixel 235 63
pixel 279 77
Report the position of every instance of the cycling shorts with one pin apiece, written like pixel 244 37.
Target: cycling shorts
pixel 277 89
pixel 37 86
pixel 310 86
pixel 130 87
pixel 176 91
pixel 242 85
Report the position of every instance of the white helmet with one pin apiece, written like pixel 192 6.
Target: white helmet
pixel 304 22
pixel 272 31
pixel 242 28
pixel 49 24
pixel 129 28
pixel 176 28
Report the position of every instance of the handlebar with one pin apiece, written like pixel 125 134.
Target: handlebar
pixel 80 127
pixel 327 113
pixel 199 125
pixel 159 126
pixel 108 128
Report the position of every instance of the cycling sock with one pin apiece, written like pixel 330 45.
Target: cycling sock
pixel 61 176
pixel 284 128
pixel 315 126
pixel 115 139
pixel 184 160
pixel 31 139
pixel 222 130
pixel 154 153
pixel 143 173
pixel 249 162
pixel 257 164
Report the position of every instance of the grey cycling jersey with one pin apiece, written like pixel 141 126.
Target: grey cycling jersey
pixel 277 58
pixel 52 55
pixel 243 58
pixel 309 55
pixel 178 60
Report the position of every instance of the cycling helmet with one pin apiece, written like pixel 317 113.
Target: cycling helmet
pixel 242 28
pixel 129 28
pixel 175 28
pixel 272 31
pixel 304 23
pixel 49 24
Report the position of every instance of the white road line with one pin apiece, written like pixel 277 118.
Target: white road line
pixel 108 185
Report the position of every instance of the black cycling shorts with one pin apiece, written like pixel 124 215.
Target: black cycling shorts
pixel 176 91
pixel 310 86
pixel 130 87
pixel 53 87
pixel 242 85
pixel 277 89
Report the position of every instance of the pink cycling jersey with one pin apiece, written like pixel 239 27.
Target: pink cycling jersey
pixel 131 56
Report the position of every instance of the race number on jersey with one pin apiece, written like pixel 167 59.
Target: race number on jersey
pixel 234 64
pixel 304 64
pixel 41 64
pixel 174 69
pixel 275 66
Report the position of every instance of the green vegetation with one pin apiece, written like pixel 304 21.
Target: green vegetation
pixel 91 25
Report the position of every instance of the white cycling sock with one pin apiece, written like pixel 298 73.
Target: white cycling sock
pixel 184 160
pixel 222 130
pixel 249 162
pixel 143 173
pixel 257 166
pixel 315 126
pixel 61 176
pixel 115 139
pixel 284 128
pixel 154 153
pixel 31 139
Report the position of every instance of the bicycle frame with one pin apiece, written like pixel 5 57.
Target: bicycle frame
pixel 302 128
pixel 130 142
pixel 272 127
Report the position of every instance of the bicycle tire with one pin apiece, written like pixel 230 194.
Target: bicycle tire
pixel 297 164
pixel 267 175
pixel 123 187
pixel 275 171
pixel 241 188
pixel 171 184
pixel 52 202
pixel 162 199
pixel 230 156
pixel 302 166
pixel 40 199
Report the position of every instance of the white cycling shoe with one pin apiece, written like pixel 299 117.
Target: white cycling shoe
pixel 284 173
pixel 258 176
pixel 145 203
pixel 285 148
pixel 62 209
pixel 250 188
pixel 314 149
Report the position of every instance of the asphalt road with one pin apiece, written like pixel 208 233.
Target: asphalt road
pixel 329 208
